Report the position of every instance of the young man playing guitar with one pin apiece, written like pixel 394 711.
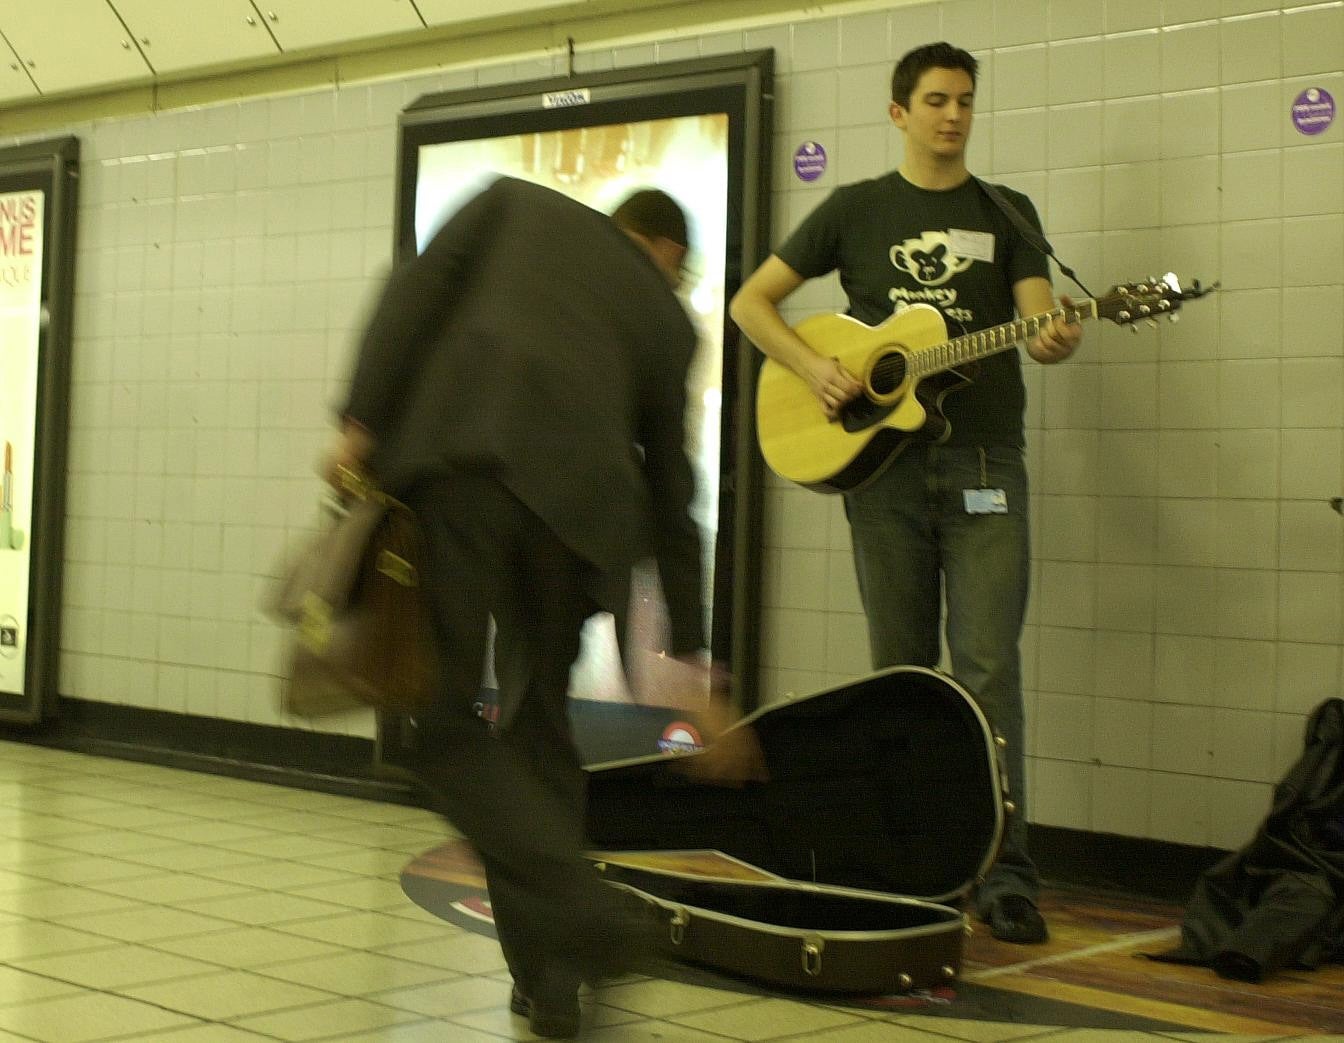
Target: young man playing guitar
pixel 945 519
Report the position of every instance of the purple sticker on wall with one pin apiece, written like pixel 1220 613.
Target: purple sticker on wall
pixel 1313 111
pixel 809 161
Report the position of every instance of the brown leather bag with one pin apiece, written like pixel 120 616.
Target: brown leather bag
pixel 361 629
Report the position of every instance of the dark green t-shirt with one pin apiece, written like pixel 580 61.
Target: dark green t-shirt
pixel 893 245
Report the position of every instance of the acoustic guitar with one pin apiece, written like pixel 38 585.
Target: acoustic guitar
pixel 891 361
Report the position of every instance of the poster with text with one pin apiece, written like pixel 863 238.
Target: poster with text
pixel 21 224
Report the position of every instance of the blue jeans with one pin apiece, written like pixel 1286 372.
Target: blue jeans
pixel 916 545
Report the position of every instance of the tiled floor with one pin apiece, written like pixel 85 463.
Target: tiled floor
pixel 145 903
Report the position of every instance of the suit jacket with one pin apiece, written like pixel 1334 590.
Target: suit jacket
pixel 535 340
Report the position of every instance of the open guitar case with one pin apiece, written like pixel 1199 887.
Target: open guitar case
pixel 885 804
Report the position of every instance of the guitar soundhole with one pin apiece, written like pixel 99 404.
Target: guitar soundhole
pixel 863 413
pixel 888 374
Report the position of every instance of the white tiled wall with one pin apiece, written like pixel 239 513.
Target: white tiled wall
pixel 1189 579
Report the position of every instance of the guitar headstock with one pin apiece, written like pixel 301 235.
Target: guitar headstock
pixel 1146 300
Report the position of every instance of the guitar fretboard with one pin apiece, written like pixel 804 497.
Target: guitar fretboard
pixel 935 358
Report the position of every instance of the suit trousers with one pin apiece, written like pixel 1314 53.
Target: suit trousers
pixel 517 794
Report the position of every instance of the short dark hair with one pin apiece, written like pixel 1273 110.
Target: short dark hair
pixel 654 214
pixel 916 63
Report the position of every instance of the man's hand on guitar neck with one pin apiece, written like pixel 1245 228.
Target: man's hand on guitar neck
pixel 833 385
pixel 1057 339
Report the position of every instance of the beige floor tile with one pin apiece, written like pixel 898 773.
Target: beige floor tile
pixel 149 923
pixel 18 986
pixel 202 1032
pixel 34 938
pixel 207 831
pixel 19 854
pixel 61 903
pixel 273 875
pixel 40 827
pixel 328 1019
pixel 110 842
pixel 464 952
pixel 760 1019
pixel 81 780
pixel 977 1031
pixel 248 947
pixel 1205 1037
pixel 360 893
pixel 187 857
pixel 69 805
pixel 365 930
pixel 368 862
pixel 1115 1036
pixel 390 836
pixel 262 907
pixel 421 1032
pixel 394 815
pixel 358 973
pixel 657 1032
pixel 13 883
pixel 445 999
pixel 212 804
pixel 114 967
pixel 87 1016
pixel 135 793
pixel 656 998
pixel 295 848
pixel 227 995
pixel 503 1022
pixel 133 816
pixel 171 888
pixel 305 822
pixel 87 869
pixel 881 1032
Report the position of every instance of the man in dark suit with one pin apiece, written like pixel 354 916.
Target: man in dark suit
pixel 522 386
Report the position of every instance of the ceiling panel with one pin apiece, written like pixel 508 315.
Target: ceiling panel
pixel 15 83
pixel 301 24
pixel 69 44
pixel 186 34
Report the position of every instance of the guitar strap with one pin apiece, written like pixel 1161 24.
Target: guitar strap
pixel 1033 237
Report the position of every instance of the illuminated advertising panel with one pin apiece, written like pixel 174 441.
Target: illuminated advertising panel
pixel 37 208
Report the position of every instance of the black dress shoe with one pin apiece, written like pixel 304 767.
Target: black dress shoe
pixel 558 1019
pixel 1013 918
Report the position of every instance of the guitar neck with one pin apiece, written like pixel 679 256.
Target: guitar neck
pixel 935 358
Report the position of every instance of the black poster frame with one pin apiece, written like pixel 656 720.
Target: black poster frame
pixel 51 166
pixel 606 97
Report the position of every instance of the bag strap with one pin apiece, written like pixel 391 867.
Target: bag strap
pixel 1033 237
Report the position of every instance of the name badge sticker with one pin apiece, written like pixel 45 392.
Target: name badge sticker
pixel 978 246
pixel 985 501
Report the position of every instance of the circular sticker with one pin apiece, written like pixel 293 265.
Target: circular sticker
pixel 1313 111
pixel 809 161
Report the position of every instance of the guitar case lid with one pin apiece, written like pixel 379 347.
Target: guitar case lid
pixel 890 783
